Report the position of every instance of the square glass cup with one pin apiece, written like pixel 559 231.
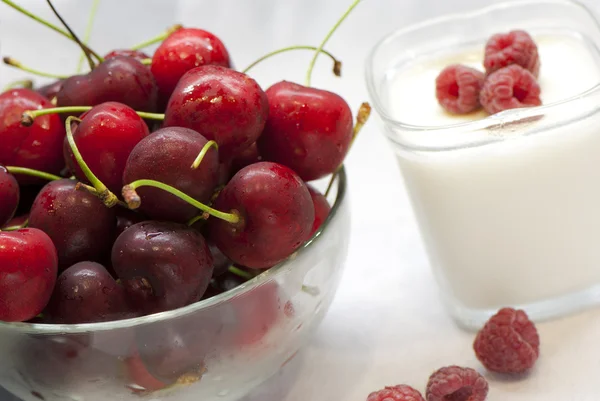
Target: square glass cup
pixel 508 205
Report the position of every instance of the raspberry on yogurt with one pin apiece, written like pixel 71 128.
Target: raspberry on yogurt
pixel 509 88
pixel 457 88
pixel 514 47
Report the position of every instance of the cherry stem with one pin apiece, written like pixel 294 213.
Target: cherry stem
pixel 48 24
pixel 22 83
pixel 158 38
pixel 14 170
pixel 240 273
pixel 30 115
pixel 311 66
pixel 195 219
pixel 361 119
pixel 18 227
pixel 146 61
pixel 75 38
pixel 337 64
pixel 107 197
pixel 133 199
pixel 17 64
pixel 204 151
pixel 88 32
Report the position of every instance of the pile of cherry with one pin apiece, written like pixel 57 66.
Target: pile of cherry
pixel 122 211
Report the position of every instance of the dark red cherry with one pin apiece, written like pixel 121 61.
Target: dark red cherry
pixel 9 195
pixel 126 218
pixel 136 54
pixel 221 104
pixel 245 158
pixel 167 156
pixel 39 146
pixel 78 223
pixel 308 130
pixel 162 265
pixel 86 293
pixel 322 209
pixel 50 90
pixel 119 79
pixel 183 50
pixel 276 215
pixel 105 137
pixel 28 266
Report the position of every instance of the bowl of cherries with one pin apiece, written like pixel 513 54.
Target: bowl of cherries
pixel 169 229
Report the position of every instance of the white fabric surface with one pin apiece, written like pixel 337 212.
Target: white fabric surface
pixel 387 324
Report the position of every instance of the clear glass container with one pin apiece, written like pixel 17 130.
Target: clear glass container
pixel 216 349
pixel 508 205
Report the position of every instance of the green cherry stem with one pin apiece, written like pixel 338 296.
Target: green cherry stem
pixel 240 273
pixel 337 64
pixel 311 66
pixel 47 24
pixel 88 32
pixel 22 83
pixel 133 199
pixel 361 119
pixel 17 227
pixel 146 61
pixel 17 64
pixel 107 197
pixel 158 38
pixel 195 219
pixel 32 173
pixel 30 115
pixel 203 151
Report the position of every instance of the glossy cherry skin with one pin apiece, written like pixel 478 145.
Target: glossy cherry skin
pixel 50 90
pixel 322 209
pixel 221 104
pixel 276 215
pixel 308 130
pixel 120 79
pixel 183 50
pixel 105 137
pixel 86 293
pixel 162 265
pixel 28 268
pixel 136 54
pixel 9 195
pixel 167 156
pixel 244 158
pixel 39 146
pixel 78 223
pixel 126 218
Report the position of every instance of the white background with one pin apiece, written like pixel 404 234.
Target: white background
pixel 387 324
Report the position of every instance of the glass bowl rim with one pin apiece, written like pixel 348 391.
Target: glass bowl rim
pixel 262 278
pixel 503 117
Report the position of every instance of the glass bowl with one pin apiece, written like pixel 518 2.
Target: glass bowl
pixel 218 348
pixel 507 205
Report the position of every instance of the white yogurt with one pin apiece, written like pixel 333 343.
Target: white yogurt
pixel 518 221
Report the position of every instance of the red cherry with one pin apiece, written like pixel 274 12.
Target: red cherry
pixel 86 293
pixel 136 54
pixel 28 266
pixel 162 265
pixel 50 90
pixel 322 209
pixel 221 104
pixel 9 195
pixel 183 50
pixel 39 146
pixel 105 137
pixel 119 79
pixel 245 158
pixel 308 130
pixel 167 156
pixel 78 223
pixel 276 215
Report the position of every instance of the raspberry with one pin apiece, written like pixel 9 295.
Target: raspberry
pixel 509 88
pixel 400 392
pixel 508 343
pixel 515 47
pixel 457 88
pixel 454 383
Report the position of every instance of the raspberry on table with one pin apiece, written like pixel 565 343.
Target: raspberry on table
pixel 457 88
pixel 508 342
pixel 510 87
pixel 455 383
pixel 514 47
pixel 401 392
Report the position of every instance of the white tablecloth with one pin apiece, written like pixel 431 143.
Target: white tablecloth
pixel 387 324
